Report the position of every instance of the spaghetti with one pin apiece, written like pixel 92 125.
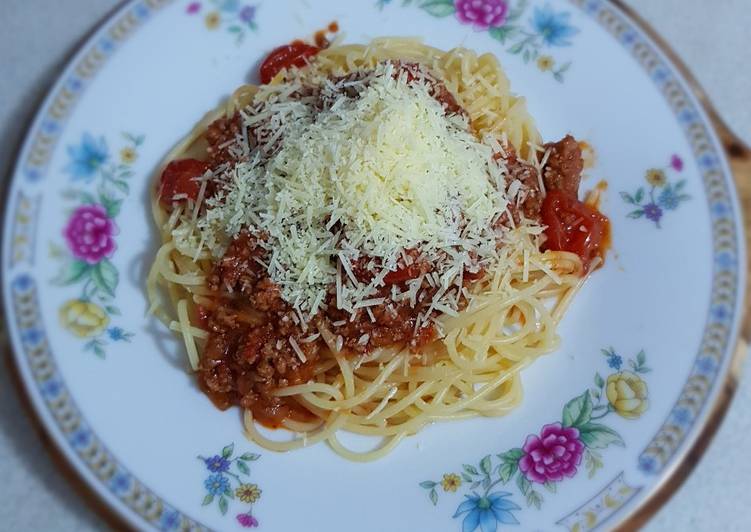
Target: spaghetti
pixel 318 281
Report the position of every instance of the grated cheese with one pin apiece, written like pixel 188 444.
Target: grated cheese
pixel 368 177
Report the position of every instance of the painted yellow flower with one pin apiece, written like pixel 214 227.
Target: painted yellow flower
pixel 627 394
pixel 545 63
pixel 83 318
pixel 248 492
pixel 451 482
pixel 128 155
pixel 212 20
pixel 656 177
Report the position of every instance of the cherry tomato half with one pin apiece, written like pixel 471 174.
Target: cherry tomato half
pixel 574 226
pixel 180 178
pixel 293 54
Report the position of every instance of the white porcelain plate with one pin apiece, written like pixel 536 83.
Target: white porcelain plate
pixel 646 345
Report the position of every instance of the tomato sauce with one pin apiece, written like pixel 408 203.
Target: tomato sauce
pixel 179 181
pixel 574 226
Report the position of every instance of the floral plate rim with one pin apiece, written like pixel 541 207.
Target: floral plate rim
pixel 670 478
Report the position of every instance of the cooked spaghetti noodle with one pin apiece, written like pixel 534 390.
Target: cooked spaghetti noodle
pixel 472 322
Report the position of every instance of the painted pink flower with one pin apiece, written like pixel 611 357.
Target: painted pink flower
pixel 193 8
pixel 90 234
pixel 676 163
pixel 247 520
pixel 552 455
pixel 482 14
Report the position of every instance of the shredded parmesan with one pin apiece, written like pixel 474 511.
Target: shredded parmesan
pixel 380 170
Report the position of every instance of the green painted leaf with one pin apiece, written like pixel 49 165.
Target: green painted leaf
pixel 511 456
pixel 592 461
pixel 599 381
pixel 550 486
pixel 680 184
pixel 507 470
pixel 466 477
pixel 122 186
pixel 87 198
pixel 113 310
pixel 228 450
pixel 578 411
pixel 74 272
pixel 504 33
pixel 635 214
pixel 518 47
pixel 598 436
pixel 486 483
pixel 641 357
pixel 517 12
pixel 223 505
pixel 99 351
pixel 433 497
pixel 111 205
pixel 250 456
pixel 639 196
pixel 234 29
pixel 472 470
pixel 105 277
pixel 208 499
pixel 534 499
pixel 523 484
pixel 228 493
pixel 486 465
pixel 242 466
pixel 428 484
pixel 625 196
pixel 439 8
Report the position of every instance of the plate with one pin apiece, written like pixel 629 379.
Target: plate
pixel 646 347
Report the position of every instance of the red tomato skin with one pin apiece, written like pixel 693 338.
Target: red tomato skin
pixel 574 226
pixel 179 177
pixel 285 56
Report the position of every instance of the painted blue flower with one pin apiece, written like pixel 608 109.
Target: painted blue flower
pixel 706 365
pixel 32 336
pixel 653 212
pixel 230 6
pixel 216 484
pixel 682 416
pixel 118 334
pixel 486 512
pixel 554 28
pixel 216 464
pixel 120 483
pixel 247 14
pixel 23 283
pixel 669 199
pixel 169 520
pixel 648 464
pixel 87 157
pixel 615 361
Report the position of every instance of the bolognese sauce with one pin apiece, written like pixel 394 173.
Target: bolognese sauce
pixel 258 342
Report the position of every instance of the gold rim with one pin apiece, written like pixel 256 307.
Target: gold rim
pixel 739 157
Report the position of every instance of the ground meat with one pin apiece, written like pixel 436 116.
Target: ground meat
pixel 564 166
pixel 239 269
pixel 219 135
pixel 529 198
pixel 343 85
pixel 562 171
pixel 436 87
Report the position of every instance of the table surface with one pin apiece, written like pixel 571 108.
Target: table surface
pixel 37 39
